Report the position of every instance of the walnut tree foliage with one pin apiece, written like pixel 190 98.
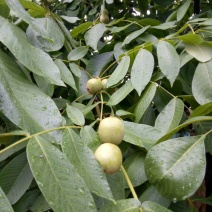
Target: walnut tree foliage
pixel 157 58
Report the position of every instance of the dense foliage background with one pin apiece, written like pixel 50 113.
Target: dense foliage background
pixel 157 58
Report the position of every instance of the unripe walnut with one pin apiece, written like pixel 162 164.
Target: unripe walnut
pixel 111 130
pixel 110 157
pixel 94 85
pixel 104 18
pixel 104 82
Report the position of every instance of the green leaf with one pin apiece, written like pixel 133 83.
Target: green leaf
pixel 26 200
pixel 144 101
pixel 140 134
pixel 78 53
pixel 183 10
pixel 165 26
pixel 170 116
pixel 54 38
pixel 186 123
pixel 116 183
pixel 177 166
pixel 75 69
pixel 66 74
pixel 44 85
pixel 4 202
pixel 83 159
pixel 119 29
pixel 120 72
pixel 148 206
pixel 4 9
pixel 40 63
pixel 62 187
pixel 128 205
pixel 169 60
pixel 121 93
pixel 195 46
pixel 142 70
pixel 70 19
pixel 23 103
pixel 16 178
pixel 98 62
pixel 89 136
pixel 75 115
pixel 202 110
pixel 134 35
pixel 33 7
pixel 40 204
pixel 93 35
pixel 134 166
pixel 81 29
pixel 151 194
pixel 202 83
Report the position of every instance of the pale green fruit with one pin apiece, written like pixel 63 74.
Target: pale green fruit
pixel 110 157
pixel 104 18
pixel 94 85
pixel 105 11
pixel 104 82
pixel 111 130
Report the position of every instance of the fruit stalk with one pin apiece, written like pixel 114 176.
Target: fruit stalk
pixel 130 184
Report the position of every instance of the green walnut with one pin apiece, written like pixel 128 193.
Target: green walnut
pixel 111 130
pixel 94 85
pixel 110 157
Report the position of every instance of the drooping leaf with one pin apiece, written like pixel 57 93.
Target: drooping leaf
pixel 75 115
pixel 70 192
pixel 165 26
pixel 93 35
pixel 38 62
pixel 148 206
pixel 177 166
pixel 183 9
pixel 144 101
pixel 78 53
pixel 134 35
pixel 195 46
pixel 119 73
pixel 98 62
pixel 4 202
pixel 66 74
pixel 134 166
pixel 140 134
pixel 170 116
pixel 128 205
pixel 53 40
pixel 23 103
pixel 16 178
pixel 152 194
pixel 202 110
pixel 119 29
pixel 186 123
pixel 202 83
pixel 169 60
pixel 142 70
pixel 83 159
pixel 121 93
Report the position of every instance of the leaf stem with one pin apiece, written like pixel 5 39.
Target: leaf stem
pixel 102 104
pixel 130 184
pixel 39 133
